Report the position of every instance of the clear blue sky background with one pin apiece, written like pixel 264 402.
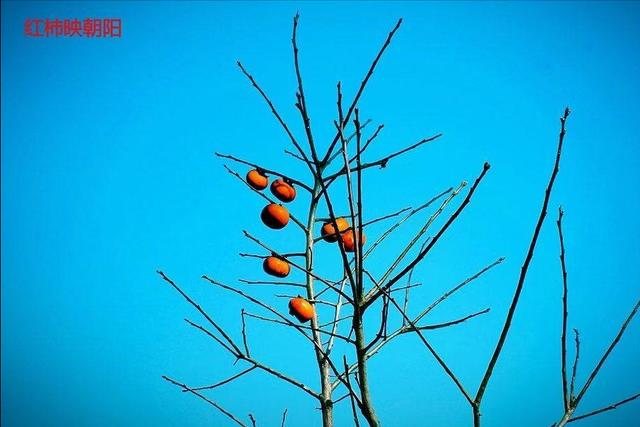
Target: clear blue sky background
pixel 108 174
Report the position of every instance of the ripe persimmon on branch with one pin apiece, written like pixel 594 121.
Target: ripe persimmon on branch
pixel 356 291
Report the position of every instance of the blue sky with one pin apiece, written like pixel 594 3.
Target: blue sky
pixel 108 174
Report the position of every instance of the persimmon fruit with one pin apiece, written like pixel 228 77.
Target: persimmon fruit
pixel 257 179
pixel 275 216
pixel 276 266
pixel 301 309
pixel 329 232
pixel 348 238
pixel 283 190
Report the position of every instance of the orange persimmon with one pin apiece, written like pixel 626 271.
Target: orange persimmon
pixel 348 238
pixel 257 179
pixel 329 232
pixel 276 266
pixel 275 216
pixel 301 309
pixel 283 190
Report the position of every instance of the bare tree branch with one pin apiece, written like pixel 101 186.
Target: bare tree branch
pixel 223 382
pixel 523 275
pixel 381 162
pixel 299 267
pixel 278 117
pixel 361 89
pixel 450 323
pixel 565 312
pixel 606 354
pixel 265 170
pixel 433 241
pixel 605 409
pixel 353 404
pixel 206 399
pixel 575 365
pixel 235 348
pixel 266 319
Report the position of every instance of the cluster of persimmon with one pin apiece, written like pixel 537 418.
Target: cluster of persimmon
pixel 273 215
pixel 330 235
pixel 276 216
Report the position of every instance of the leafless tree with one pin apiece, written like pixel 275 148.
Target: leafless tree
pixel 358 291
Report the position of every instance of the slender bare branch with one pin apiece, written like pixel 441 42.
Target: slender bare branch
pixel 206 399
pixel 277 115
pixel 236 349
pixel 302 103
pixel 450 323
pixel 223 382
pixel 606 354
pixel 244 333
pixel 267 282
pixel 266 319
pixel 348 139
pixel 433 241
pixel 361 89
pixel 523 275
pixel 265 368
pixel 416 238
pixel 433 352
pixel 284 418
pixel 265 170
pixel 457 288
pixel 605 409
pixel 336 315
pixel 366 144
pixel 574 370
pixel 395 226
pixel 353 404
pixel 565 312
pixel 299 267
pixel 381 162
pixel 218 340
pixel 290 323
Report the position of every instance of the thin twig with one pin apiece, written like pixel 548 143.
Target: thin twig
pixel 605 409
pixel 575 365
pixel 348 139
pixel 565 312
pixel 244 333
pixel 265 170
pixel 353 405
pixel 278 117
pixel 206 399
pixel 362 86
pixel 303 269
pixel 266 319
pixel 223 382
pixel 606 354
pixel 236 350
pixel 266 368
pixel 267 282
pixel 277 313
pixel 523 275
pixel 433 241
pixel 381 162
pixel 457 288
pixel 450 323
